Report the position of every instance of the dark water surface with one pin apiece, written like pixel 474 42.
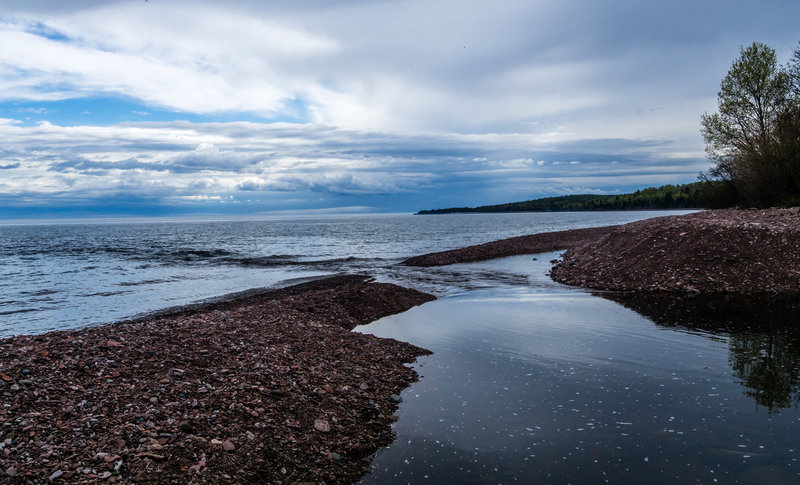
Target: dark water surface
pixel 539 383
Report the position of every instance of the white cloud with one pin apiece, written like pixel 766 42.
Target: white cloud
pixel 396 97
pixel 408 67
pixel 200 160
pixel 218 61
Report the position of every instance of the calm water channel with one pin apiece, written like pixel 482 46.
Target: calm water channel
pixel 540 383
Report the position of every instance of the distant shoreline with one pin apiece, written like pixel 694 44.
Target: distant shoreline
pixel 436 212
pixel 695 195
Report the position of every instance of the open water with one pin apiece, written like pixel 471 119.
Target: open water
pixel 59 276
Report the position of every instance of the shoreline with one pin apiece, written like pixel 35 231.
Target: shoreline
pixel 735 252
pixel 514 246
pixel 271 387
pixel 731 251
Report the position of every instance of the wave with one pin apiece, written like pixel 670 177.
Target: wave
pixel 22 310
pixel 164 255
pixel 104 293
pixel 155 281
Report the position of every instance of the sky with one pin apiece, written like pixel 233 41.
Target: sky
pixel 164 108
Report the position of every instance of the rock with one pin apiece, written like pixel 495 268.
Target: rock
pixel 14 387
pixel 395 398
pixel 6 377
pixel 228 446
pixel 322 425
pixel 11 471
pixel 56 474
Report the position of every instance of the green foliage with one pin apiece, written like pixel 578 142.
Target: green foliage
pixel 753 139
pixel 686 196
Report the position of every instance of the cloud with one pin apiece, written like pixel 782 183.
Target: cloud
pixel 393 103
pixel 230 62
pixel 224 160
pixel 394 66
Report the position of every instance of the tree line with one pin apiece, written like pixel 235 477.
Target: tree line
pixel 683 196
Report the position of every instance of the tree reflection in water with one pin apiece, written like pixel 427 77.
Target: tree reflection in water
pixel 763 337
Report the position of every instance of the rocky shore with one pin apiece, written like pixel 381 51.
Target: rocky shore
pixel 710 252
pixel 266 388
pixel 534 243
pixel 744 252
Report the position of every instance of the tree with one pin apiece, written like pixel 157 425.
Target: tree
pixel 793 70
pixel 741 138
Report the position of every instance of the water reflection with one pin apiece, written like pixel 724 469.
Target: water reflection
pixel 763 343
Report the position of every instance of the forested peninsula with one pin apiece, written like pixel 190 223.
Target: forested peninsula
pixel 685 196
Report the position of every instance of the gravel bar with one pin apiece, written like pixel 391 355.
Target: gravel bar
pixel 744 252
pixel 534 243
pixel 265 388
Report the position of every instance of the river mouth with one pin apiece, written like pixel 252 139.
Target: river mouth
pixel 544 383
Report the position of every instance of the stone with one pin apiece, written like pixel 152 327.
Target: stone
pixel 395 398
pixel 322 425
pixel 228 446
pixel 56 474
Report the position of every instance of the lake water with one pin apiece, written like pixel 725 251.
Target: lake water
pixel 539 383
pixel 59 276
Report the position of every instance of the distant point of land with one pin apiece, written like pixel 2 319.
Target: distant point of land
pixel 685 196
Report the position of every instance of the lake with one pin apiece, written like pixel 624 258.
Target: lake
pixel 57 276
